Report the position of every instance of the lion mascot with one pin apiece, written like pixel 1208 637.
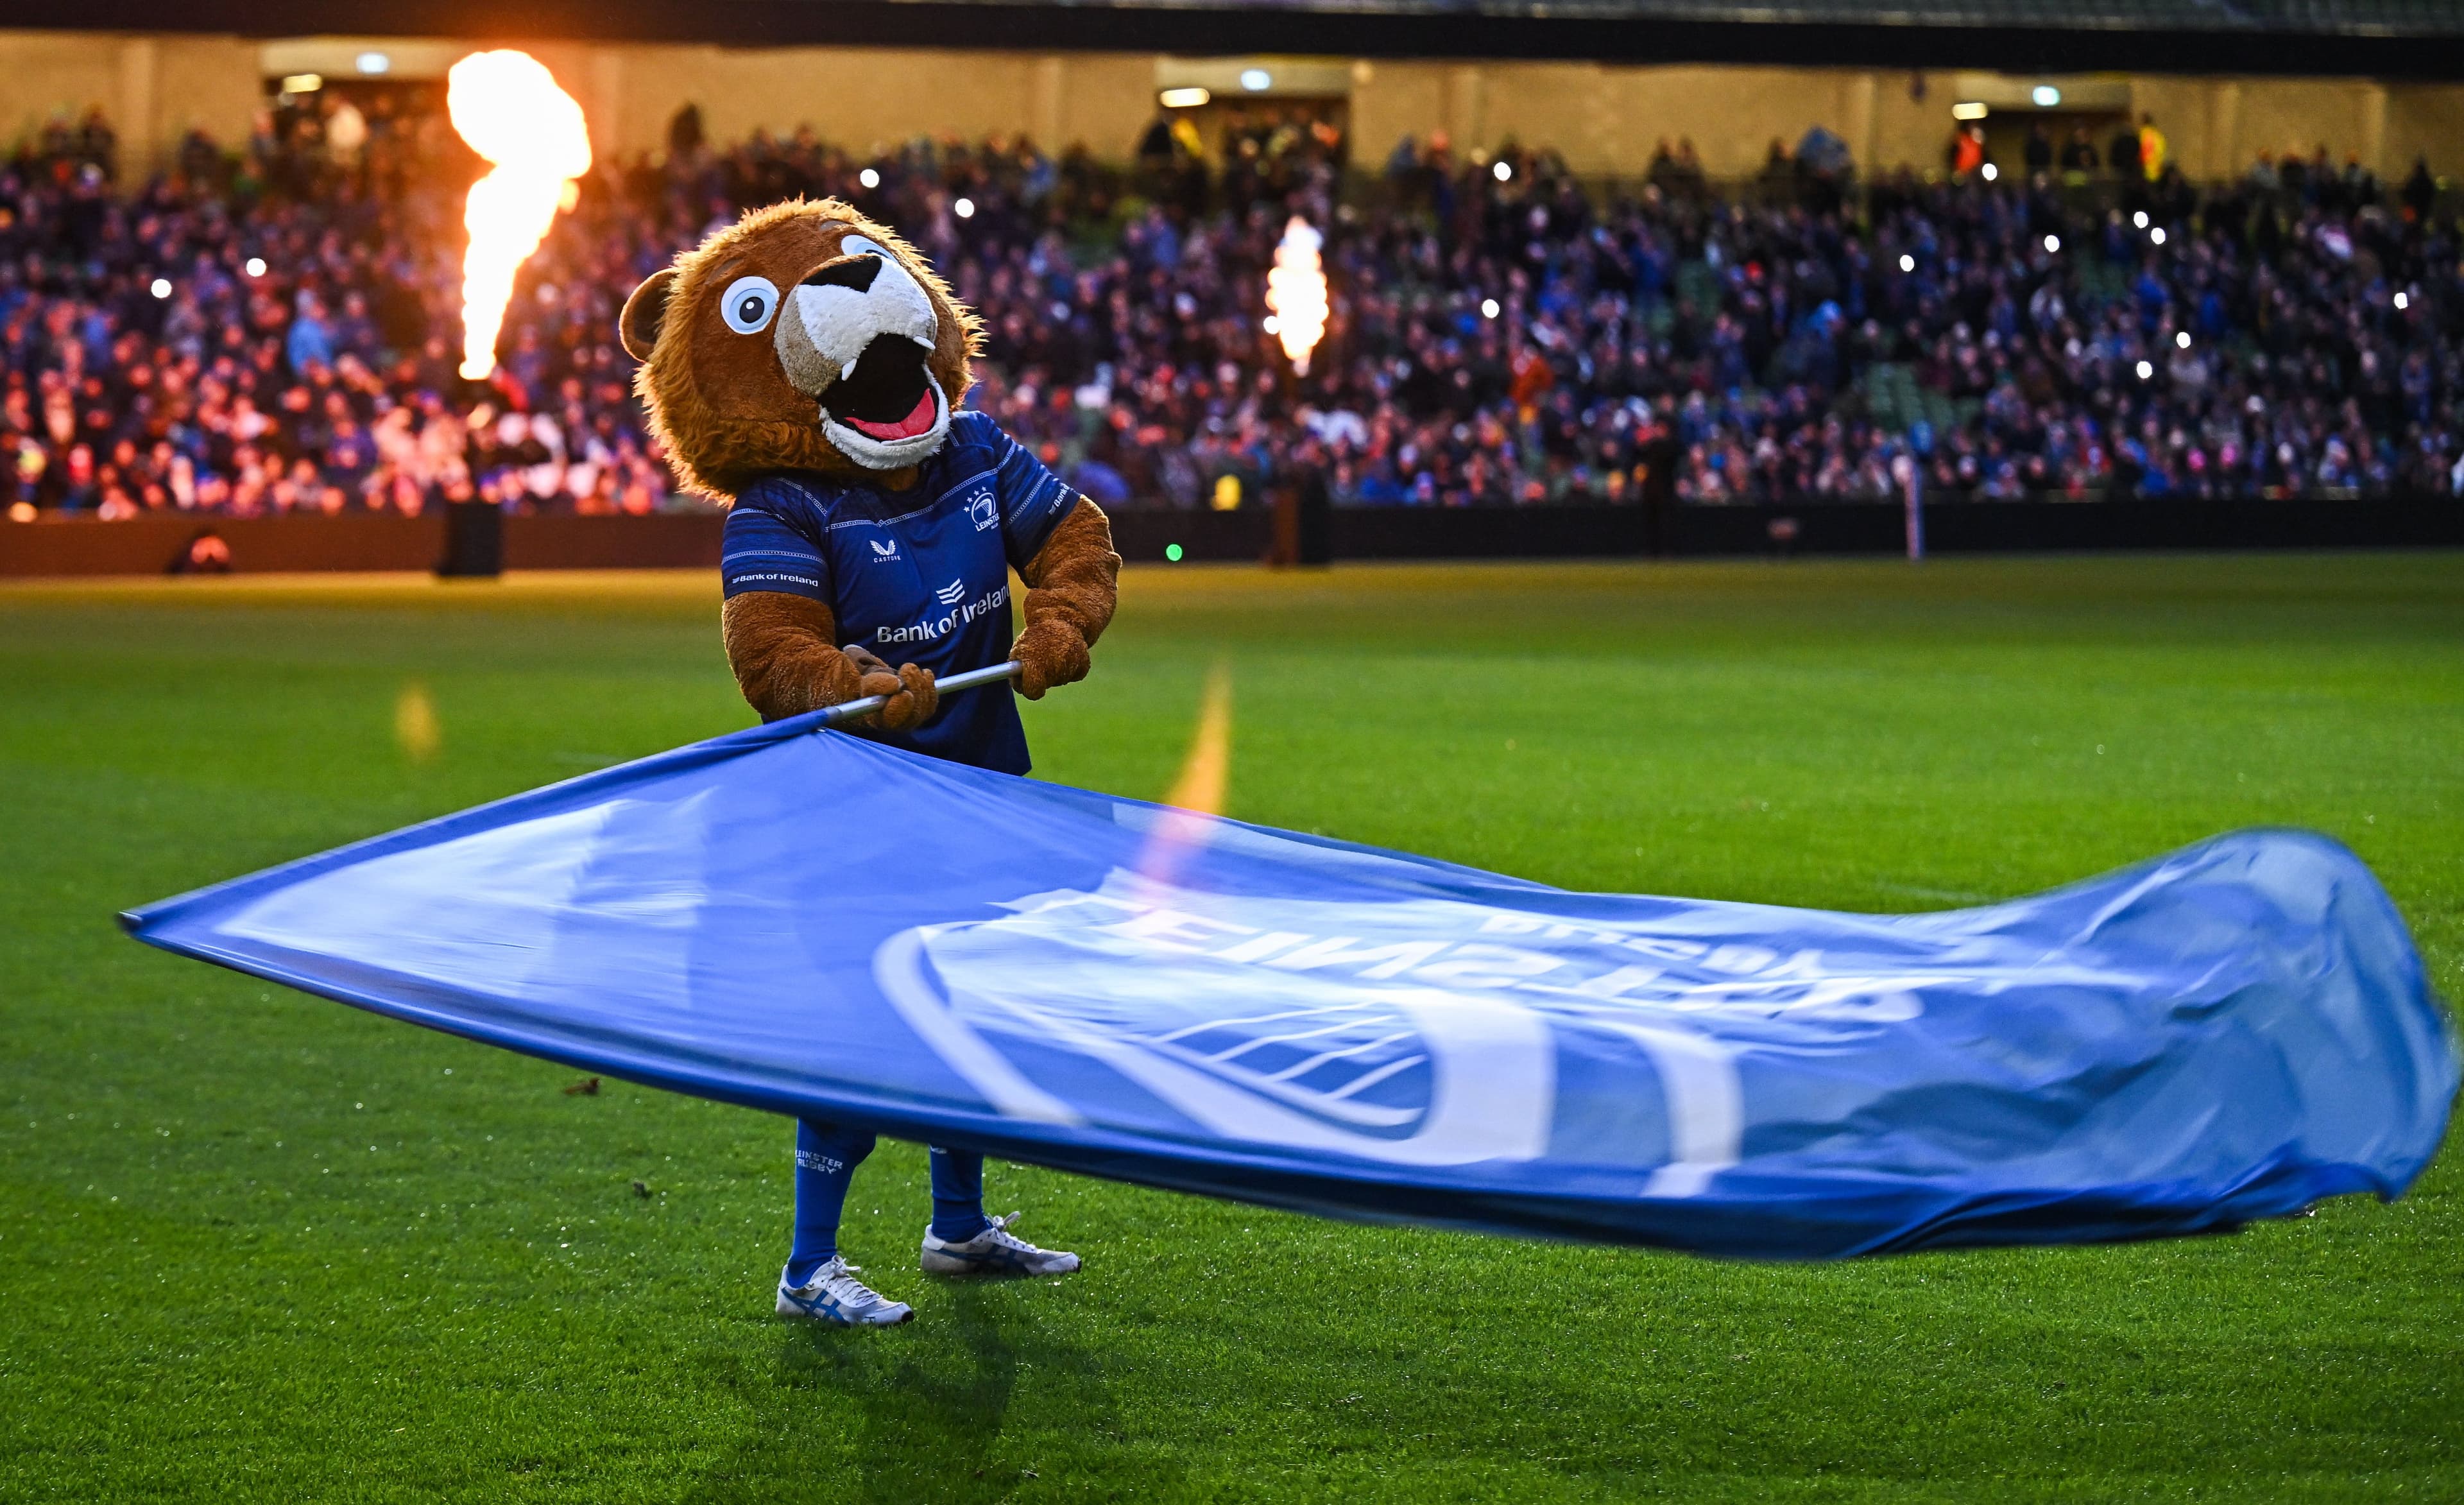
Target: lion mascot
pixel 805 366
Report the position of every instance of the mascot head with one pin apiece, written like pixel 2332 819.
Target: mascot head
pixel 802 337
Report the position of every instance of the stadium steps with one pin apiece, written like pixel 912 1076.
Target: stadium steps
pixel 1700 283
pixel 2101 282
pixel 1892 396
pixel 1895 402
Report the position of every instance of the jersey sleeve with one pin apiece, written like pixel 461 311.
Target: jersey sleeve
pixel 762 551
pixel 1033 500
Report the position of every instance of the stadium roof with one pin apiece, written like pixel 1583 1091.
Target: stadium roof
pixel 2290 18
pixel 2391 38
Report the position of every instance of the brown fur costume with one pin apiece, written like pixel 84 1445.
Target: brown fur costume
pixel 727 411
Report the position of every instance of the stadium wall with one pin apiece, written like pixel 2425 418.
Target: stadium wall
pixel 1606 118
pixel 258 545
pixel 1104 100
pixel 155 89
pixel 2013 528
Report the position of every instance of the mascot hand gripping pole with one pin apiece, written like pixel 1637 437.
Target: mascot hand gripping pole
pixel 805 366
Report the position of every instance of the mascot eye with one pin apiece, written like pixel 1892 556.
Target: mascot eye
pixel 749 304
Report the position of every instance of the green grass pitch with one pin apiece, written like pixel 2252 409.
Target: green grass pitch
pixel 257 1245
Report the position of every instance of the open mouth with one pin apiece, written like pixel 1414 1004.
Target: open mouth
pixel 887 396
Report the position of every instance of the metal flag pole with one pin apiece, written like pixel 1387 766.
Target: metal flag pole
pixel 848 710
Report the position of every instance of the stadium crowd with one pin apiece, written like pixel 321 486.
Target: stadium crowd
pixel 274 329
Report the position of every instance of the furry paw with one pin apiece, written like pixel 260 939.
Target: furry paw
pixel 916 701
pixel 913 698
pixel 1048 652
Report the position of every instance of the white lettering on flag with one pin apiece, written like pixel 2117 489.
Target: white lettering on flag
pixel 1406 1038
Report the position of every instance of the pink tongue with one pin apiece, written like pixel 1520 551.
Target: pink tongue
pixel 907 427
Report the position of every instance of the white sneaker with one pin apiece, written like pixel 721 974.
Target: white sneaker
pixel 995 1252
pixel 834 1294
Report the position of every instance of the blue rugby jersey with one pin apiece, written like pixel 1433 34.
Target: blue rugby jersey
pixel 919 576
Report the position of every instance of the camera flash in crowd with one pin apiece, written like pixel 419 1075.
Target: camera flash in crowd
pixel 1907 263
pixel 2182 338
pixel 2139 219
pixel 160 288
pixel 2157 234
pixel 964 208
pixel 2403 302
pixel 254 266
pixel 2053 243
pixel 1488 308
pixel 2146 371
pixel 868 178
pixel 1503 172
pixel 1992 172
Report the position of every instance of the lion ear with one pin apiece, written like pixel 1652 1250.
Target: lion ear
pixel 638 326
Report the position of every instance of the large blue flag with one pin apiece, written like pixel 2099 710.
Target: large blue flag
pixel 800 920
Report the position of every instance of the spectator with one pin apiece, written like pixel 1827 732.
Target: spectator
pixel 346 134
pixel 2152 149
pixel 1496 342
pixel 1825 170
pixel 2420 191
pixel 2123 154
pixel 2078 155
pixel 684 133
pixel 1967 152
pixel 308 346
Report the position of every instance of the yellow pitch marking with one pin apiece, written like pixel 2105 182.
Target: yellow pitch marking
pixel 416 730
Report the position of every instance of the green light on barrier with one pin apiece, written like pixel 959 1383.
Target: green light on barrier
pixel 1172 552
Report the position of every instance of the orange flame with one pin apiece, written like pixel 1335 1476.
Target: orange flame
pixel 509 108
pixel 1296 293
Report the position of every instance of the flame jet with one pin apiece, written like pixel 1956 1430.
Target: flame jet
pixel 1296 292
pixel 510 110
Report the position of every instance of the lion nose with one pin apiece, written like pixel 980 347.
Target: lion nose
pixel 854 274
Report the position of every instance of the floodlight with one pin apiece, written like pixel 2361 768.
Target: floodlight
pixel 1184 98
pixel 1968 110
pixel 1256 80
pixel 373 63
pixel 303 83
pixel 2046 96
